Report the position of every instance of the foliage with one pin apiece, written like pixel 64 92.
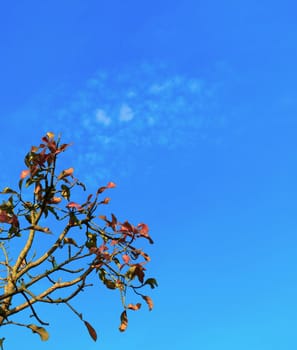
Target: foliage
pixel 56 272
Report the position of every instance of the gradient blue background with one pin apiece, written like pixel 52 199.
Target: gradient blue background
pixel 190 107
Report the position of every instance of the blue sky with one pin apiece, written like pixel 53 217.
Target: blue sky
pixel 190 107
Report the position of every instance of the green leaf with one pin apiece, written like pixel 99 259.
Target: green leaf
pixel 39 330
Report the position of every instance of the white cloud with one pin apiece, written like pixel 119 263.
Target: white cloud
pixel 162 110
pixel 102 117
pixel 126 113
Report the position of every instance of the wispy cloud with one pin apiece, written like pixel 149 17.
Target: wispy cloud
pixel 126 113
pixel 136 109
pixel 102 118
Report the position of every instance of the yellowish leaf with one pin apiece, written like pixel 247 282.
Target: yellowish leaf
pixel 39 330
pixel 50 135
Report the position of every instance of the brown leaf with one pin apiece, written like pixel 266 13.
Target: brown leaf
pixel 101 189
pixel 134 307
pixel 105 200
pixel 149 302
pixel 55 200
pixel 124 321
pixel 68 240
pixel 91 331
pixel 65 173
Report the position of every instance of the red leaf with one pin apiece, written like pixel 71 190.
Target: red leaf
pixel 74 205
pixel 111 185
pixel 4 217
pixel 91 331
pixel 127 227
pixel 126 258
pixel 102 248
pixel 144 229
pixel 62 147
pixel 24 173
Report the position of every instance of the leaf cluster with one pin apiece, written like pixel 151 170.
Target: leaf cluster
pixel 88 244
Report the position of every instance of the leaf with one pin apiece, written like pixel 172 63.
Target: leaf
pixel 101 189
pixel 127 227
pixel 74 205
pixel 144 229
pixel 124 321
pixel 39 330
pixel 8 190
pixel 4 217
pixel 69 240
pixel 91 331
pixel 55 200
pixel 149 301
pixel 109 284
pixel 126 258
pixel 134 307
pixel 50 135
pixel 111 185
pixel 152 282
pixel 105 200
pixel 65 192
pixel 24 174
pixel 139 272
pixel 65 173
